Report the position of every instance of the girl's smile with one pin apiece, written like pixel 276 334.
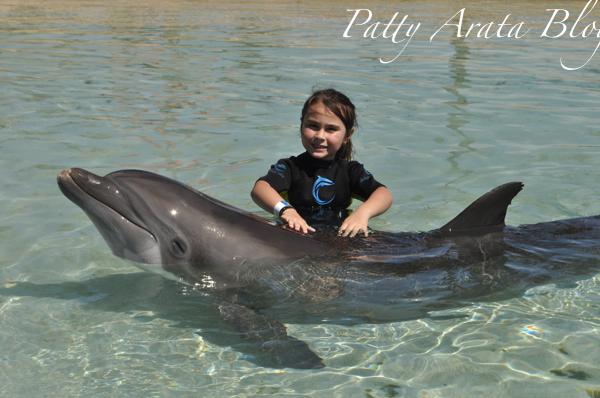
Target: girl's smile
pixel 322 132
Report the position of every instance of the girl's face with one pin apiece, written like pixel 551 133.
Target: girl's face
pixel 322 132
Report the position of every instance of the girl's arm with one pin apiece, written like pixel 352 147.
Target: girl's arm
pixel 266 197
pixel 379 201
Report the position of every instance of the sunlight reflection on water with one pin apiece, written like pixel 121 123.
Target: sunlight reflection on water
pixel 210 94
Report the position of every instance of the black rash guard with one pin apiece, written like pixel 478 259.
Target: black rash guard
pixel 321 190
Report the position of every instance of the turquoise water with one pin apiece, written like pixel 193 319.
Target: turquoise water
pixel 210 94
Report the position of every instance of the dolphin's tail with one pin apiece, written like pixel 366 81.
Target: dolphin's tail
pixel 484 215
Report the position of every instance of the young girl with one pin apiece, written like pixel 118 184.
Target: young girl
pixel 321 182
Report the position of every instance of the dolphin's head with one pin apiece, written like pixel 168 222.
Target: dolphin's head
pixel 135 211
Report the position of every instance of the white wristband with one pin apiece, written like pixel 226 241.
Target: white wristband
pixel 279 206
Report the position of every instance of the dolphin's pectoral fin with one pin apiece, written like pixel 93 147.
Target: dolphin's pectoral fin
pixel 270 337
pixel 484 215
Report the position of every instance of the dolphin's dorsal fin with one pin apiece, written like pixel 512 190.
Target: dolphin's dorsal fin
pixel 484 215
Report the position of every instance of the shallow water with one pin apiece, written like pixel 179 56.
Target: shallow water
pixel 210 94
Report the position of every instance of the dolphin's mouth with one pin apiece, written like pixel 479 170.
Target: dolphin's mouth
pixel 80 185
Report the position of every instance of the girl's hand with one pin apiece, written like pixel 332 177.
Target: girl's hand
pixel 379 201
pixel 294 221
pixel 355 223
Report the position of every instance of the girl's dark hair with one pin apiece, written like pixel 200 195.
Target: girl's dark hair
pixel 342 107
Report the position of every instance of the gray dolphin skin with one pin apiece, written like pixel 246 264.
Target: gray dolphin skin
pixel 151 219
pixel 169 226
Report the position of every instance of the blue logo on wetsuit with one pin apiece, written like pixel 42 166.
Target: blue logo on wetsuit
pixel 319 183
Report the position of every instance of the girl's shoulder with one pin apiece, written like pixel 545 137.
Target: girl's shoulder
pixel 354 164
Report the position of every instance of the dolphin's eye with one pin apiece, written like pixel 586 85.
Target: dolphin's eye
pixel 178 247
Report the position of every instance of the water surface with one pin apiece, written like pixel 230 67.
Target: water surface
pixel 210 93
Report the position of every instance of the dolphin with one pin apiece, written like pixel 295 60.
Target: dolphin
pixel 151 219
pixel 174 229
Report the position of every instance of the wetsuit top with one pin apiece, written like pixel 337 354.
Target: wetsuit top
pixel 321 190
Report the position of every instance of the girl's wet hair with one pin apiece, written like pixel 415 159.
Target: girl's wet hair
pixel 342 107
